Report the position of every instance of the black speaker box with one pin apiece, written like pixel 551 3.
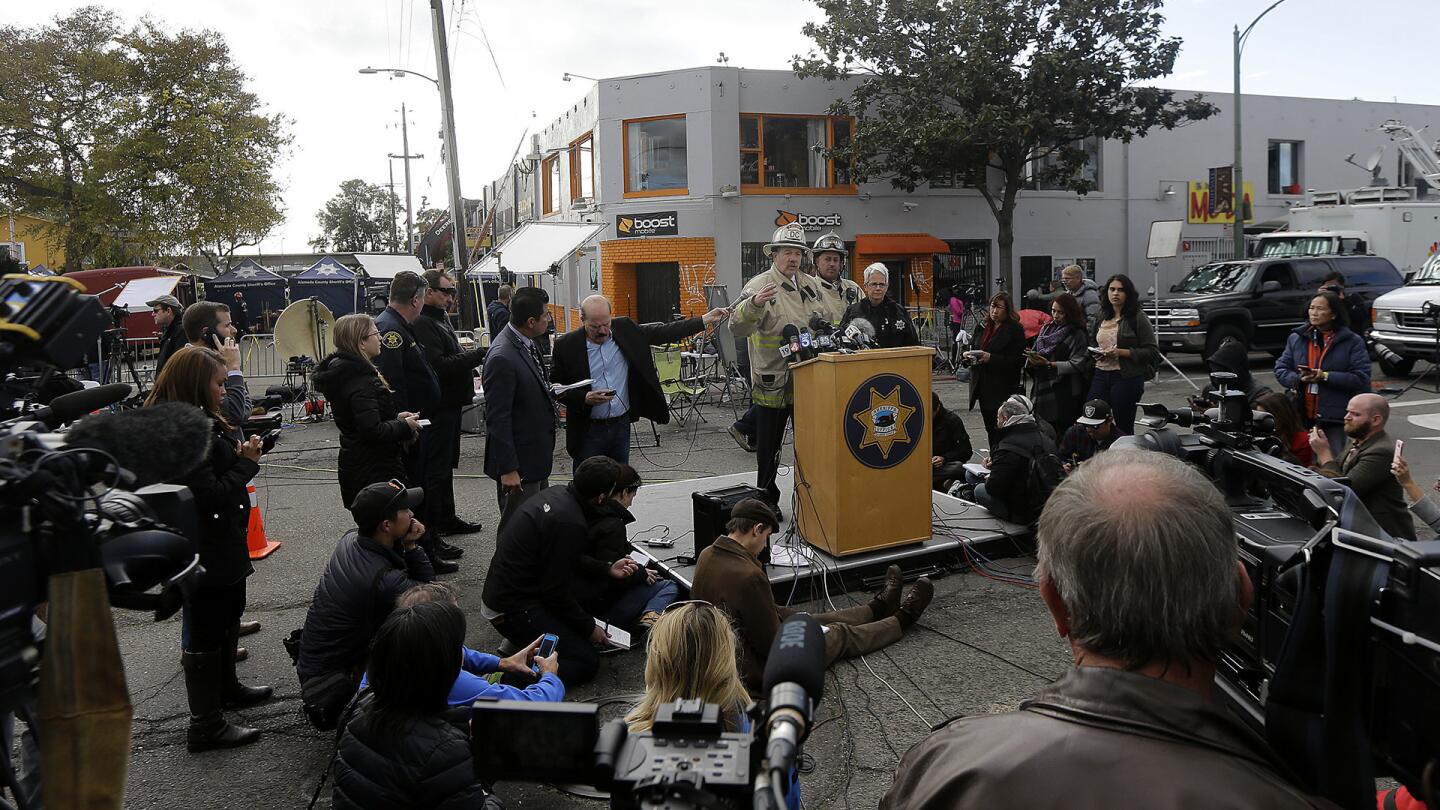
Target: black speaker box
pixel 712 511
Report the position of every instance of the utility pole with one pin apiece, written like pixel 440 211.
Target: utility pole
pixel 407 157
pixel 458 251
pixel 394 226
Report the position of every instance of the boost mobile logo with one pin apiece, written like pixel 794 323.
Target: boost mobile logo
pixel 647 225
pixel 810 222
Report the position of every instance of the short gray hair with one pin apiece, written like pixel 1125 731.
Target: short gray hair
pixel 1141 549
pixel 406 286
pixel 878 269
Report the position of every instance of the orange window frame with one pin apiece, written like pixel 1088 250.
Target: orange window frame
pixel 549 205
pixel 831 188
pixel 575 174
pixel 625 162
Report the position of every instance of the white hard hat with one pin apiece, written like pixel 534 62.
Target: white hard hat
pixel 788 235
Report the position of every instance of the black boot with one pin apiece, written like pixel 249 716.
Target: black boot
pixel 208 728
pixel 915 603
pixel 235 695
pixel 886 602
pixel 446 551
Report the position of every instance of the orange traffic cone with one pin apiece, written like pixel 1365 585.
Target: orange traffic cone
pixel 260 547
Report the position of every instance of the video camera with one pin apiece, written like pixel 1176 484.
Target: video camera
pixel 1338 660
pixel 691 757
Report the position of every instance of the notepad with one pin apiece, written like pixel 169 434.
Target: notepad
pixel 619 638
pixel 558 389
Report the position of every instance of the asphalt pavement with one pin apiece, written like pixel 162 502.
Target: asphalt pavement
pixel 983 647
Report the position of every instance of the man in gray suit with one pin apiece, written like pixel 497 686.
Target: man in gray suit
pixel 520 411
pixel 1366 463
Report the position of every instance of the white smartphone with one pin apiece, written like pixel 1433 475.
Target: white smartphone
pixel 1399 449
pixel 423 422
pixel 1094 350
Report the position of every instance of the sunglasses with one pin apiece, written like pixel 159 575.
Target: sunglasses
pixel 446 291
pixel 673 605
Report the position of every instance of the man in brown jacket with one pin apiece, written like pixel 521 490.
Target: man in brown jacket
pixel 1367 463
pixel 728 575
pixel 1147 597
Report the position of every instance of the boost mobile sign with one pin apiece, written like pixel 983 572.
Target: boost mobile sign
pixel 662 223
pixel 809 222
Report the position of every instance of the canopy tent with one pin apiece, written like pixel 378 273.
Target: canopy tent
pixel 264 291
pixel 334 284
pixel 385 266
pixel 533 248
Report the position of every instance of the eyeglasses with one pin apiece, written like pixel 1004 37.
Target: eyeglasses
pixel 376 333
pixel 673 605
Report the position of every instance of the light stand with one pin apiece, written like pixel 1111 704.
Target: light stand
pixel 1164 244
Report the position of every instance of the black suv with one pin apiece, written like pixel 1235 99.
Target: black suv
pixel 1260 301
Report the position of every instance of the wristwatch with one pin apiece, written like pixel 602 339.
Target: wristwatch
pixel 1324 376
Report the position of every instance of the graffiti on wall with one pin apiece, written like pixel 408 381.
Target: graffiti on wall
pixel 693 278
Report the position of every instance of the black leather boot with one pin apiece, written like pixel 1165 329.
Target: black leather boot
pixel 235 695
pixel 887 601
pixel 209 730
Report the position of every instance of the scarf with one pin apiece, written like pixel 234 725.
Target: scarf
pixel 1319 345
pixel 1051 334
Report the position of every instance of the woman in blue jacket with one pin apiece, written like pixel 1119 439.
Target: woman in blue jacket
pixel 1325 364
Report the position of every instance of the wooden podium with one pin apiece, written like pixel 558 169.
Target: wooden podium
pixel 862 449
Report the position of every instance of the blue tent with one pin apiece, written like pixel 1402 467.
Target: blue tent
pixel 331 282
pixel 264 291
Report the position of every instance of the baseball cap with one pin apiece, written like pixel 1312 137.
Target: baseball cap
pixel 1096 412
pixel 167 301
pixel 377 501
pixel 756 510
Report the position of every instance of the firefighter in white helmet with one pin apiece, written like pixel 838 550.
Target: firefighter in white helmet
pixel 779 297
pixel 837 292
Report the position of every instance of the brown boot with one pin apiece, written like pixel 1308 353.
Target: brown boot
pixel 915 602
pixel 886 602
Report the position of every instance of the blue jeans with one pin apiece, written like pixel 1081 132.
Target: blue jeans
pixel 1122 394
pixel 639 600
pixel 991 504
pixel 606 439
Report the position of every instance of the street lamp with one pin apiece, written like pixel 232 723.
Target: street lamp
pixel 1238 202
pixel 397 73
pixel 568 76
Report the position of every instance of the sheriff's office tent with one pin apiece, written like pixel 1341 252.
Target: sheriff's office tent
pixel 264 291
pixel 334 284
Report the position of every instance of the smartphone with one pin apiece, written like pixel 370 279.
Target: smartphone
pixel 609 392
pixel 548 642
pixel 660 542
pixel 1399 449
pixel 1094 350
pixel 1304 369
pixel 207 337
pixel 423 422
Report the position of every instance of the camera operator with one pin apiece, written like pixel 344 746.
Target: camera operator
pixel 1093 432
pixel 371 566
pixel 1422 507
pixel 1234 357
pixel 401 748
pixel 168 313
pixel 1325 363
pixel 207 325
pixel 1147 591
pixel 211 626
pixel 1367 463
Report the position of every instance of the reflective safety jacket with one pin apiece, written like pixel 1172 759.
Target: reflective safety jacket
pixel 796 299
pixel 838 297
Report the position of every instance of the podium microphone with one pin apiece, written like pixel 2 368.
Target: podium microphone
pixel 795 683
pixel 807 344
pixel 792 341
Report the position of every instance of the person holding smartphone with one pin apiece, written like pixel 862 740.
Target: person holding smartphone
pixel 1420 506
pixel 996 363
pixel 1325 364
pixel 1058 365
pixel 1126 352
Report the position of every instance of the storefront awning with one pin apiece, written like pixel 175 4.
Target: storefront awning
pixel 534 247
pixel 898 244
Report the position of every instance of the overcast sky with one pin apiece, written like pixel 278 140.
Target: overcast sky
pixel 302 57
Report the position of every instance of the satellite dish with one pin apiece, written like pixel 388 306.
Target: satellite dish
pixel 304 328
pixel 1370 163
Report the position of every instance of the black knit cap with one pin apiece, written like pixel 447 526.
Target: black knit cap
pixel 756 510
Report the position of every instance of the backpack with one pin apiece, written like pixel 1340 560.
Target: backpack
pixel 1042 475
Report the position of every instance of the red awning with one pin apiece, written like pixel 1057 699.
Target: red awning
pixel 898 244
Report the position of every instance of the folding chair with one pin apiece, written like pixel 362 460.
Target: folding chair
pixel 673 384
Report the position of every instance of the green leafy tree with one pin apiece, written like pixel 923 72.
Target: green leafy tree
pixel 360 218
pixel 135 140
pixel 985 90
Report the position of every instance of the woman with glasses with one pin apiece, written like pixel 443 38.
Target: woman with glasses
pixel 373 435
pixel 196 376
pixel 1059 365
pixel 642 594
pixel 996 360
pixel 1128 353
pixel 1325 364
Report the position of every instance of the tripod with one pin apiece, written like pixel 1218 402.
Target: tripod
pixel 1432 311
pixel 1155 317
pixel 117 354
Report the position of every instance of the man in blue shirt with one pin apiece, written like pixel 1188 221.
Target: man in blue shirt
pixel 615 353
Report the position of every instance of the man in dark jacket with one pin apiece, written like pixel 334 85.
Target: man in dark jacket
pixel 372 565
pixel 1146 591
pixel 892 323
pixel 1234 357
pixel 950 445
pixel 615 353
pixel 455 369
pixel 520 412
pixel 1093 432
pixel 208 324
pixel 1366 464
pixel 529 587
pixel 729 576
pixel 497 312
pixel 1007 492
pixel 168 312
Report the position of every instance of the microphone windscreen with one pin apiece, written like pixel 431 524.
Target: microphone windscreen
pixel 72 406
pixel 798 656
pixel 158 443
pixel 866 328
pixel 790 332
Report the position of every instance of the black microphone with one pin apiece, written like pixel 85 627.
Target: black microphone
pixel 820 325
pixel 795 682
pixel 162 442
pixel 792 340
pixel 72 406
pixel 807 344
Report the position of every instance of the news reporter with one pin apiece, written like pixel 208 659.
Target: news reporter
pixel 1288 427
pixel 400 748
pixel 1000 353
pixel 692 655
pixel 374 434
pixel 1422 507
pixel 196 376
pixel 1060 366
pixel 1128 354
pixel 1325 364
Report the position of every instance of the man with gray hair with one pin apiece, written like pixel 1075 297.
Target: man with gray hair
pixel 1147 592
pixel 1073 281
pixel 892 323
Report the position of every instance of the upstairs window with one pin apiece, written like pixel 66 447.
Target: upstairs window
pixel 1039 177
pixel 787 152
pixel 550 171
pixel 655 157
pixel 582 168
pixel 1285 167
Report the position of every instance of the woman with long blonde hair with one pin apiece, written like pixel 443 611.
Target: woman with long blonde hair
pixel 691 655
pixel 373 435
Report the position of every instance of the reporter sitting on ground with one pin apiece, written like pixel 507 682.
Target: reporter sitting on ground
pixel 401 749
pixel 1422 507
pixel 371 566
pixel 1094 432
pixel 728 575
pixel 1147 591
pixel 530 586
pixel 1366 463
pixel 949 446
pixel 642 594
pixel 1006 493
pixel 471 684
